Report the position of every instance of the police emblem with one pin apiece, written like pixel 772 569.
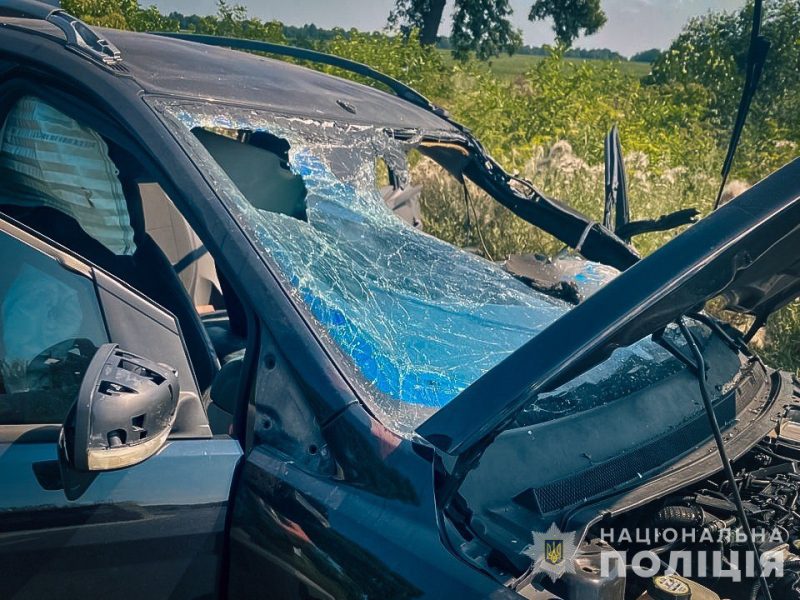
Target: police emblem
pixel 554 551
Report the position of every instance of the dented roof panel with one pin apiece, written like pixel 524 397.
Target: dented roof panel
pixel 174 67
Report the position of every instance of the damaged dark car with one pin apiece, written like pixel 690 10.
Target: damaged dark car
pixel 233 364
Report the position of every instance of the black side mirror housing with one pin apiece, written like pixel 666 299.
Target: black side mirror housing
pixel 125 410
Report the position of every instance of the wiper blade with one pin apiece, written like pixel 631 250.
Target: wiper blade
pixel 756 57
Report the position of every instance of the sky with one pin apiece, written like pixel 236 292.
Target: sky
pixel 633 25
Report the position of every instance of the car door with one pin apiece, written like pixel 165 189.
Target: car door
pixel 153 530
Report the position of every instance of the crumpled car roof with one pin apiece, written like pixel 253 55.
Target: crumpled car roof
pixel 177 67
pixel 174 67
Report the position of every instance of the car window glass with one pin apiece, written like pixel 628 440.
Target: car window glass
pixel 72 185
pixel 421 319
pixel 49 160
pixel 213 298
pixel 50 327
pixel 418 317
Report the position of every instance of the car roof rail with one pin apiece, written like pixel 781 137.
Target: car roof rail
pixel 400 89
pixel 79 36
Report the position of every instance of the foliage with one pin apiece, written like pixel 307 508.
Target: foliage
pixel 402 58
pixel 479 26
pixel 562 174
pixel 647 56
pixel 712 52
pixel 550 104
pixel 571 18
pixel 120 14
pixel 299 35
pixel 594 54
pixel 231 20
pixel 424 16
pixel 782 343
pixel 515 67
pixel 483 27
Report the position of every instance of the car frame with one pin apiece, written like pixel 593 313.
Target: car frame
pixel 309 494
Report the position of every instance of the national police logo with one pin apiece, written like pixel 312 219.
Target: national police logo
pixel 553 552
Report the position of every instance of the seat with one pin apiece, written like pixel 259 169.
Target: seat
pixel 225 323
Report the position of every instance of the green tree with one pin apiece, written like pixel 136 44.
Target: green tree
pixel 711 51
pixel 425 16
pixel 232 20
pixel 479 26
pixel 571 18
pixel 647 56
pixel 483 27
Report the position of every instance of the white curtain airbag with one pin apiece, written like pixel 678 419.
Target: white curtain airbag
pixel 48 159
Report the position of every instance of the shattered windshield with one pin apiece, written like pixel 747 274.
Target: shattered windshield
pixel 420 318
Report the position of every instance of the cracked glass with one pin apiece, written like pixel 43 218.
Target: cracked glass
pixel 420 318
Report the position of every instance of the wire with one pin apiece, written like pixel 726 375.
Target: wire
pixel 723 454
pixel 471 207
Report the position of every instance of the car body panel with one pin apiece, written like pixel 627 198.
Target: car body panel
pixel 369 532
pixel 159 525
pixel 170 67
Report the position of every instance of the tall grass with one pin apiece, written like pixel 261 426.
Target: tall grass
pixel 471 219
pixel 563 175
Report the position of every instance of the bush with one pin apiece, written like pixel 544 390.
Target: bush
pixel 579 101
pixel 420 67
pixel 120 14
pixel 712 52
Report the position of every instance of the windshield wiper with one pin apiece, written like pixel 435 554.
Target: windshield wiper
pixel 700 372
pixel 756 57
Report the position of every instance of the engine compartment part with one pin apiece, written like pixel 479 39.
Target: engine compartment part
pixel 674 587
pixel 694 540
pixel 535 473
pixel 588 580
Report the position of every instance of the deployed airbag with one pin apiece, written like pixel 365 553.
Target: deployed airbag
pixel 49 159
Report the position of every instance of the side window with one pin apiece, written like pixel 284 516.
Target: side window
pixel 73 185
pixel 50 327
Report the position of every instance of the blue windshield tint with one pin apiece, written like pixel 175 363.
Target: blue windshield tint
pixel 420 318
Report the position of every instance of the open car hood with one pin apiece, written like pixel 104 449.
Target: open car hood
pixel 748 251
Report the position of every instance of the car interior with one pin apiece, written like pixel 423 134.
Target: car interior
pixel 88 199
pixel 82 190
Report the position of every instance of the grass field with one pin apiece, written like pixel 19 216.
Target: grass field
pixel 510 67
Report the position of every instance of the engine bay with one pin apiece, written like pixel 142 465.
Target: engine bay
pixel 690 544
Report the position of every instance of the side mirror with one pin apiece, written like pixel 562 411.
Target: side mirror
pixel 124 412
